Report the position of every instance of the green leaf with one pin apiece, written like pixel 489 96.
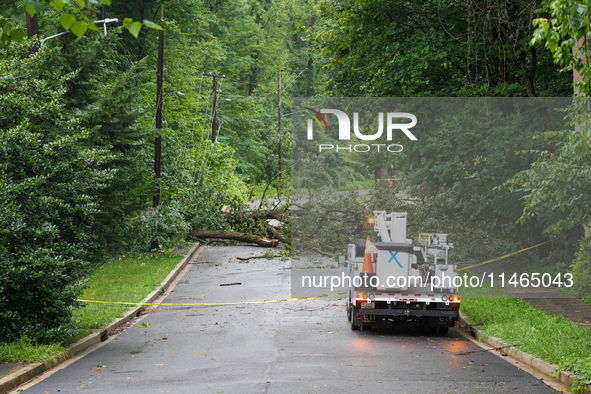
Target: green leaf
pixel 133 27
pixel 66 20
pixel 58 5
pixel 31 11
pixel 18 17
pixel 35 4
pixel 92 26
pixel 79 28
pixel 151 24
pixel 17 34
pixel 81 3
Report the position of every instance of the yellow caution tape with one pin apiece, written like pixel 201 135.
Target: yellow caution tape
pixel 290 299
pixel 215 303
pixel 505 256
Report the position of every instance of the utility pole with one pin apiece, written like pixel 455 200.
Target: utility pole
pixel 32 30
pixel 280 131
pixel 214 121
pixel 158 140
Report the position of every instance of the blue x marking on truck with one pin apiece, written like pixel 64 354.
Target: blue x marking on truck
pixel 394 257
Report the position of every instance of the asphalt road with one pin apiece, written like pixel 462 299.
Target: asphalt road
pixel 287 347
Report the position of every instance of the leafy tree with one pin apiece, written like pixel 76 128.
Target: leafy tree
pixel 48 183
pixel 560 177
pixel 435 48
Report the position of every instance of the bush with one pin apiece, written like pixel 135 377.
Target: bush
pixel 166 224
pixel 581 269
pixel 46 211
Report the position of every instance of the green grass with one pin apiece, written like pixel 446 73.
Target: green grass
pixel 23 351
pixel 76 336
pixel 127 279
pixel 553 339
pixel 257 191
pixel 348 186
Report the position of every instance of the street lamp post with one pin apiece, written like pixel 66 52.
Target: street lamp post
pixel 103 21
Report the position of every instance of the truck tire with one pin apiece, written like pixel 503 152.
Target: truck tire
pixel 348 310
pixel 360 247
pixel 354 326
pixel 443 330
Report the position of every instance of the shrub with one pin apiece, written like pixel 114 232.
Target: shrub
pixel 581 269
pixel 46 211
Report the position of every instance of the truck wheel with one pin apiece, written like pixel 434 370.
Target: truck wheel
pixel 430 331
pixel 348 310
pixel 360 247
pixel 443 330
pixel 354 326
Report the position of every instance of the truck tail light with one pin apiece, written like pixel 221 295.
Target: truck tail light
pixel 362 295
pixel 454 298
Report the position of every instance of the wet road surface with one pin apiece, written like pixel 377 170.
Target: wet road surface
pixel 288 347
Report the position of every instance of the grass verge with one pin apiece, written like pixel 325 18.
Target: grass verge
pixel 24 351
pixel 550 338
pixel 127 279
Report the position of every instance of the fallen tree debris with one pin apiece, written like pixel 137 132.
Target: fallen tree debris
pixel 207 234
pixel 255 257
pixel 225 241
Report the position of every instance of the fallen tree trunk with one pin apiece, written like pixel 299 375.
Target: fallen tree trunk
pixel 274 232
pixel 235 236
pixel 206 242
pixel 257 215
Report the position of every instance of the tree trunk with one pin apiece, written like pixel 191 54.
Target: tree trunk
pixel 538 237
pixel 235 236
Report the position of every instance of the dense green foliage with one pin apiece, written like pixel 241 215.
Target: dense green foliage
pixel 436 48
pixel 49 179
pixel 77 124
pixel 466 49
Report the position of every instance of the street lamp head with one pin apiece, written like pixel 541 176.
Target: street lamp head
pixel 180 93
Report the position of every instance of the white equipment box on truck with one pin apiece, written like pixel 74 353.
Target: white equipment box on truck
pixel 393 280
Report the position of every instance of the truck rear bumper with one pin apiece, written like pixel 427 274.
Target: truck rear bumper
pixel 454 314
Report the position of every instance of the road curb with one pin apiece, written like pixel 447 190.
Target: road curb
pixel 29 372
pixel 549 369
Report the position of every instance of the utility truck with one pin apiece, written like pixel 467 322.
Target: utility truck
pixel 394 280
